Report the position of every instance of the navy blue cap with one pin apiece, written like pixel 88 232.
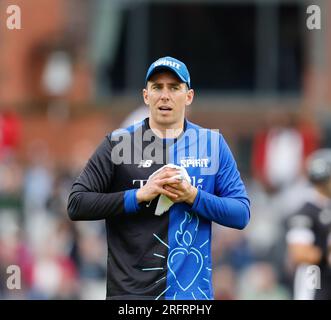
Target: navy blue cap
pixel 176 66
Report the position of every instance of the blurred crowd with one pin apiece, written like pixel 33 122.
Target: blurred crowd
pixel 59 259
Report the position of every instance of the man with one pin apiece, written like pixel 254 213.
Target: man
pixel 309 233
pixel 154 254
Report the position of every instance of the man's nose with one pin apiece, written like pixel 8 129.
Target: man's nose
pixel 165 94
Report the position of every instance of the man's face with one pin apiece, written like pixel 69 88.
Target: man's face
pixel 167 98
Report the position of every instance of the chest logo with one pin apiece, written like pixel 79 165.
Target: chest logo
pixel 145 163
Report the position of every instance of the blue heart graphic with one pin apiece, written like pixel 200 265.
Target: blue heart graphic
pixel 193 258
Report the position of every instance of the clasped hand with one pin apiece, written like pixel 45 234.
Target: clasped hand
pixel 165 182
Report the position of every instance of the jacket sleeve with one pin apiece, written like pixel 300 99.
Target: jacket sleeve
pixel 90 197
pixel 229 205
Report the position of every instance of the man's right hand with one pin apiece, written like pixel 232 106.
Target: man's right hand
pixel 155 185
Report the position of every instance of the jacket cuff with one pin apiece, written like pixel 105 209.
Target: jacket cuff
pixel 131 204
pixel 196 201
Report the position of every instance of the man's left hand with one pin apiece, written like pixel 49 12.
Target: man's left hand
pixel 185 192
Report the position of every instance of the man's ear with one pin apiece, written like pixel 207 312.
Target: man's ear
pixel 189 97
pixel 145 96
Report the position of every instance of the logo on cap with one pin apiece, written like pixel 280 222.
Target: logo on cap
pixel 165 62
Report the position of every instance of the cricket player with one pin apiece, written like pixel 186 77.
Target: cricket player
pixel 159 184
pixel 309 233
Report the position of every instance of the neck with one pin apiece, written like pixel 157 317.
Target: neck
pixel 166 131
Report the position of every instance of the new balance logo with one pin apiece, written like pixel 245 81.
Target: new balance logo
pixel 145 163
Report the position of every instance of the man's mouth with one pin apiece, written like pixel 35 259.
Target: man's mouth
pixel 165 108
